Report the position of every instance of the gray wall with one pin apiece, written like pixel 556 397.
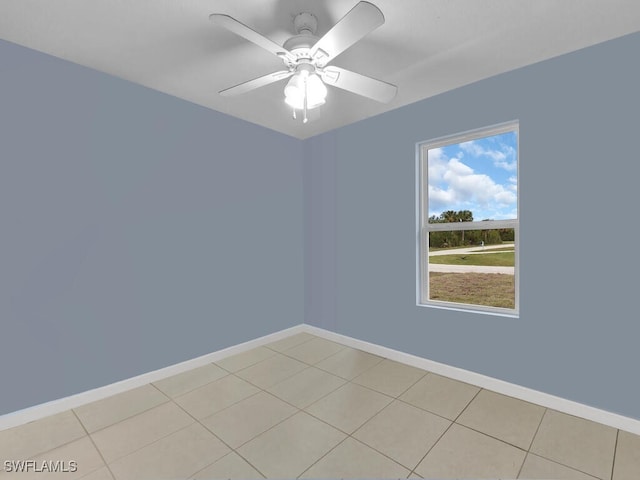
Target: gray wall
pixel 138 230
pixel 577 335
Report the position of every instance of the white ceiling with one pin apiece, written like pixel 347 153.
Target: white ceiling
pixel 425 47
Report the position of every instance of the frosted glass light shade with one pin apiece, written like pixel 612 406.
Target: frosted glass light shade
pixel 301 84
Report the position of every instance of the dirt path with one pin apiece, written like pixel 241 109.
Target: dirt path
pixel 475 250
pixel 438 267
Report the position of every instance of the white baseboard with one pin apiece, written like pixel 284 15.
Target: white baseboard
pixel 563 405
pixel 550 401
pixel 37 412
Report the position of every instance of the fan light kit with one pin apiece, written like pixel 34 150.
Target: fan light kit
pixel 307 57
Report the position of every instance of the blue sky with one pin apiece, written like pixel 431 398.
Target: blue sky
pixel 480 175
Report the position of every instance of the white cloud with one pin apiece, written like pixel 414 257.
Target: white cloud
pixel 503 158
pixel 437 165
pixel 455 185
pixel 459 168
pixel 438 196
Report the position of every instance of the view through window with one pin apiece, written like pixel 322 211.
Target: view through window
pixel 468 222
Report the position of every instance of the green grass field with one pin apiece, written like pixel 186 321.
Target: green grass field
pixel 498 259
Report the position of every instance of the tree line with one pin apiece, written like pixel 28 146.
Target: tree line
pixel 460 238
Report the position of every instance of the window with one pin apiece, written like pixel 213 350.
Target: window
pixel 467 199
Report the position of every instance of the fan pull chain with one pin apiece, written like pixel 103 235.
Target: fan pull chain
pixel 306 91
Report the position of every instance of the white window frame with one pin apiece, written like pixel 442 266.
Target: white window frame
pixel 424 227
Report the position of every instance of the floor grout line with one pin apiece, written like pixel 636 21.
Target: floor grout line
pixel 374 448
pixel 537 429
pixel 431 448
pixel 292 346
pixel 343 347
pixel 531 443
pixel 298 410
pixel 49 450
pixel 94 446
pixel 187 371
pixel 195 420
pixel 348 435
pixel 491 436
pixel 167 399
pixel 571 467
pixel 526 455
pixel 216 436
pixel 226 369
pixel 533 454
pixel 444 433
pixel 615 451
pixel 355 349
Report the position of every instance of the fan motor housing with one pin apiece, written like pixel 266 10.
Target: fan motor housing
pixel 305 21
pixel 305 25
pixel 298 42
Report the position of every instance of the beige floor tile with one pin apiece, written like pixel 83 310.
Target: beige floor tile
pixel 110 410
pixel 389 377
pixel 190 380
pixel 271 371
pixel 135 432
pixel 464 453
pixel 231 466
pixel 290 342
pixel 352 459
pixel 414 475
pixel 505 418
pixel 349 406
pixel 577 443
pixel 349 363
pixel 307 386
pixel 627 463
pixel 440 395
pixel 536 467
pixel 81 451
pixel 314 350
pixel 28 440
pixel 215 396
pixel 100 474
pixel 248 418
pixel 289 448
pixel 245 359
pixel 403 432
pixel 180 455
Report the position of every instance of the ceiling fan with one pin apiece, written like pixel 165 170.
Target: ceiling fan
pixel 306 58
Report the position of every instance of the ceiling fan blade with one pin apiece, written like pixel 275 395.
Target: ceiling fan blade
pixel 355 83
pixel 358 22
pixel 256 83
pixel 242 30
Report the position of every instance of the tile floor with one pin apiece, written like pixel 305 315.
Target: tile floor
pixel 305 407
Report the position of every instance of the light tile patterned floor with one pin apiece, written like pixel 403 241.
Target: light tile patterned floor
pixel 305 407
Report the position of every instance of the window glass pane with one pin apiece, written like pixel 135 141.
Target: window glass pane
pixel 479 271
pixel 474 180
